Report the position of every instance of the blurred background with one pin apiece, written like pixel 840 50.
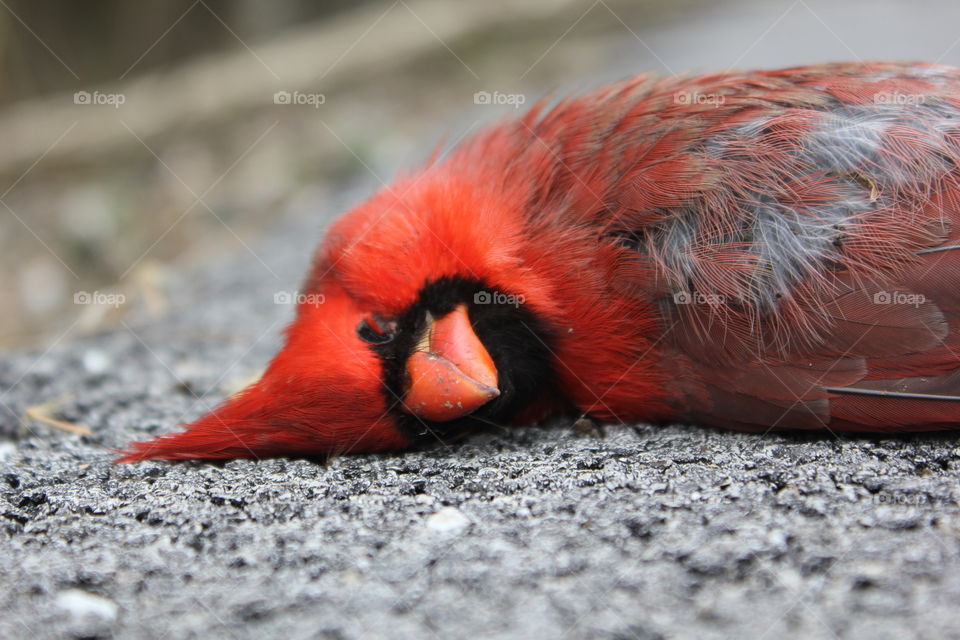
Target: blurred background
pixel 139 141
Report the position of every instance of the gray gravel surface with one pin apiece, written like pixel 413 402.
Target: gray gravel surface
pixel 639 532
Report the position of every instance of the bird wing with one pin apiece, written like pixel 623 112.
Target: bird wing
pixel 809 276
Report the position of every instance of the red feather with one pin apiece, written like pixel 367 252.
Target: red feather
pixel 766 250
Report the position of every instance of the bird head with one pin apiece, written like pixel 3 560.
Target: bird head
pixel 405 332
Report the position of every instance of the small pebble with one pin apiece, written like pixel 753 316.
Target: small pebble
pixel 81 604
pixel 95 361
pixel 448 520
pixel 7 449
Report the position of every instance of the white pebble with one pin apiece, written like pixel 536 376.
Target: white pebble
pixel 95 361
pixel 448 520
pixel 81 604
pixel 7 449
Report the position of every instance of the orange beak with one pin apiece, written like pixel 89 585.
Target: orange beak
pixel 450 374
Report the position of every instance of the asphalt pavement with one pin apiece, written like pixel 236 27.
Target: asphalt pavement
pixel 540 532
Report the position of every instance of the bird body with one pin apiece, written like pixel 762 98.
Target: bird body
pixel 756 251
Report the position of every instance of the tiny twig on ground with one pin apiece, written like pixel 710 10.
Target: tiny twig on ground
pixel 42 413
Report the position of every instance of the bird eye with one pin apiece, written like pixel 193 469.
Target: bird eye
pixel 373 330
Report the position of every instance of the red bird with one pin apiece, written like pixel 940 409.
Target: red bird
pixel 754 251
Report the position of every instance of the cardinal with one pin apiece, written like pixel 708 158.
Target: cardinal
pixel 752 251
